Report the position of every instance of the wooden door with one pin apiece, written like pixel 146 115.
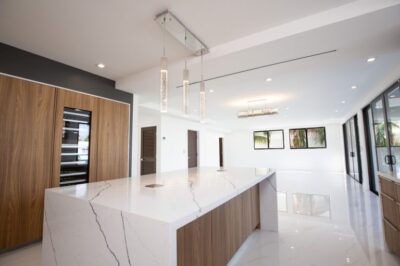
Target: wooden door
pixel 113 140
pixel 148 162
pixel 26 145
pixel 192 148
pixel 71 99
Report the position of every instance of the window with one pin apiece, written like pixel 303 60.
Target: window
pixel 268 139
pixel 307 138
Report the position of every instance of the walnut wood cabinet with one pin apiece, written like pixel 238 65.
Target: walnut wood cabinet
pixel 26 145
pixel 390 199
pixel 31 126
pixel 112 144
pixel 213 238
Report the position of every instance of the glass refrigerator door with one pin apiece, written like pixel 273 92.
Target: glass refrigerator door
pixel 75 147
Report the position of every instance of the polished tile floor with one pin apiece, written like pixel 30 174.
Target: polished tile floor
pixel 326 219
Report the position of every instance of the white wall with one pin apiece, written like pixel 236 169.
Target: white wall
pixel 172 141
pixel 174 144
pixel 240 152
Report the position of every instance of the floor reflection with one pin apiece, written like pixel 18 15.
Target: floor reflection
pixel 325 219
pixel 312 205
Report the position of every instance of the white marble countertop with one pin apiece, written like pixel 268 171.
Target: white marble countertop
pixel 183 196
pixel 391 176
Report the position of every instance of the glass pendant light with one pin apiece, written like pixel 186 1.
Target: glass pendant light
pixel 202 94
pixel 163 78
pixel 185 90
pixel 185 87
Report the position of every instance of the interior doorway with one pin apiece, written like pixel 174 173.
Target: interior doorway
pixel 148 161
pixel 221 152
pixel 192 148
pixel 352 149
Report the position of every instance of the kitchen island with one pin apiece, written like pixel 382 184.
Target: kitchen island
pixel 198 216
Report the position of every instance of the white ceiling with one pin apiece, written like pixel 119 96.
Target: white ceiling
pixel 311 89
pixel 123 35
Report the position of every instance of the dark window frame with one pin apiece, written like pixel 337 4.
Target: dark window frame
pixel 307 147
pixel 268 138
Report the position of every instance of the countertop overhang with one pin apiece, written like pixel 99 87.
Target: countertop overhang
pixel 179 197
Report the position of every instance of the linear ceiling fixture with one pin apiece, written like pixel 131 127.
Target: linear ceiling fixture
pixel 181 33
pixel 169 23
pixel 257 108
pixel 164 78
pixel 264 66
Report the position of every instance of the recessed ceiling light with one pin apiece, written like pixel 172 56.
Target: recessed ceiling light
pixel 371 59
pixel 353 87
pixel 211 91
pixel 268 79
pixel 287 108
pixel 343 101
pixel 336 111
pixel 101 65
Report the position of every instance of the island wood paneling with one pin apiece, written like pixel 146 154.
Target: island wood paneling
pixel 194 240
pixel 26 145
pixel 112 142
pixel 214 237
pixel 81 101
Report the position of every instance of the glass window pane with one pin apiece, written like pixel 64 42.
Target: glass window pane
pixel 276 139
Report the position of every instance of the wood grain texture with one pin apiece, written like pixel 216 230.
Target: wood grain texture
pixel 224 229
pixel 26 144
pixel 85 102
pixel 113 140
pixel 194 242
pixel 388 187
pixel 392 237
pixel 389 209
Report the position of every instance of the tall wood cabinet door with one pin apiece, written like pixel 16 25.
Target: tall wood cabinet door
pixel 26 144
pixel 113 142
pixel 70 99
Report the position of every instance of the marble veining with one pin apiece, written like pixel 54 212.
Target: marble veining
pixel 126 241
pixel 123 222
pixel 51 238
pixel 102 231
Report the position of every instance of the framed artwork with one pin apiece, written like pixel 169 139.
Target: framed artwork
pixel 307 138
pixel 298 138
pixel 268 139
pixel 316 137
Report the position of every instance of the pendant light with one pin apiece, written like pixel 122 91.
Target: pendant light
pixel 185 86
pixel 164 78
pixel 202 94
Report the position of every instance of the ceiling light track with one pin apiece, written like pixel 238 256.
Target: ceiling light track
pixel 264 66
